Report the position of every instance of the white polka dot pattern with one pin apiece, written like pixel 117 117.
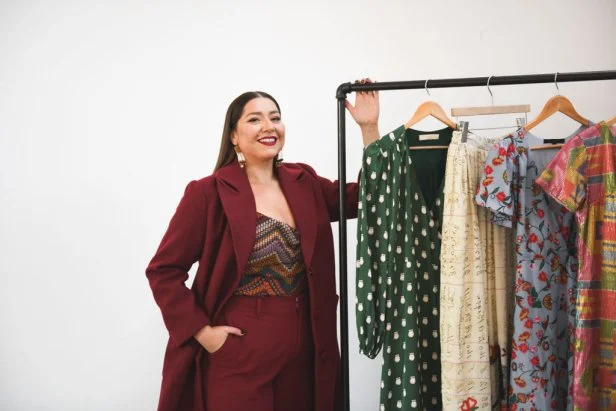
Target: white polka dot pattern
pixel 398 256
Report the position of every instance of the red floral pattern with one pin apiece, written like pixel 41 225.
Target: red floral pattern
pixel 469 404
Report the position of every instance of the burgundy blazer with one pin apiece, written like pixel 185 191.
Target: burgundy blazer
pixel 215 224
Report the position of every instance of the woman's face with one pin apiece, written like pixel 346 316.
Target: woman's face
pixel 259 131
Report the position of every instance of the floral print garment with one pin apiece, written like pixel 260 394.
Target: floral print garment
pixel 546 270
pixel 583 178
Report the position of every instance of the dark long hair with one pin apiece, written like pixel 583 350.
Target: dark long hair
pixel 234 112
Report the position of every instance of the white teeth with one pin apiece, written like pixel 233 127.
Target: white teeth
pixel 268 140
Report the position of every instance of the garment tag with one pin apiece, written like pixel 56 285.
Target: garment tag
pixel 428 137
pixel 554 141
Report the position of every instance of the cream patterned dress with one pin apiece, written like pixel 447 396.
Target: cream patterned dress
pixel 476 292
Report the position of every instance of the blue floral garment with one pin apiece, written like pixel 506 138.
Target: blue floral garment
pixel 546 269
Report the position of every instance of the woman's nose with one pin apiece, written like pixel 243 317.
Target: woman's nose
pixel 268 124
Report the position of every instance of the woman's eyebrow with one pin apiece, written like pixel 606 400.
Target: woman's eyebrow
pixel 258 113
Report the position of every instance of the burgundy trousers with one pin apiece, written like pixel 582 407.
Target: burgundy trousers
pixel 271 367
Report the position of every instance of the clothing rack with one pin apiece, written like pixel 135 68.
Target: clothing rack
pixel 341 94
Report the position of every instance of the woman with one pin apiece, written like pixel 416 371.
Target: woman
pixel 257 331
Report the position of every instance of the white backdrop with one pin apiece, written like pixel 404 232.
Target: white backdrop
pixel 108 110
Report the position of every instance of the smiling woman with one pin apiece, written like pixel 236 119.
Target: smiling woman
pixel 259 133
pixel 250 116
pixel 257 331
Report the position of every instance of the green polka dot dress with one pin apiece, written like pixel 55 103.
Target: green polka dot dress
pixel 398 276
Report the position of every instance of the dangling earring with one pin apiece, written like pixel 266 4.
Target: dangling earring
pixel 240 156
pixel 279 159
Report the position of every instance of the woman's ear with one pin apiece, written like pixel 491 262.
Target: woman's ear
pixel 234 139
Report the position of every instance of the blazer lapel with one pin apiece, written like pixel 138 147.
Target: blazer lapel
pixel 239 205
pixel 298 189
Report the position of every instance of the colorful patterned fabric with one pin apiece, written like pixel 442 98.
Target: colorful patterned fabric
pixel 398 275
pixel 276 265
pixel 476 294
pixel 582 177
pixel 546 272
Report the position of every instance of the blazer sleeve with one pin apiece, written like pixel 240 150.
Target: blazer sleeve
pixel 167 272
pixel 330 194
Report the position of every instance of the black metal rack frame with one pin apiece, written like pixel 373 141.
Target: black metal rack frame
pixel 341 94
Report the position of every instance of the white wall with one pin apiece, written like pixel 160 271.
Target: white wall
pixel 108 110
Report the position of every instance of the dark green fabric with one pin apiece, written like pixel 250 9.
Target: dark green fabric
pixel 398 273
pixel 429 164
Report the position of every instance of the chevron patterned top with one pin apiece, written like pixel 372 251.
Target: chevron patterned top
pixel 276 266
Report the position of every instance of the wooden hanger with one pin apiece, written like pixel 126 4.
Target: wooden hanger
pixel 546 146
pixel 430 108
pixel 556 104
pixel 491 109
pixel 610 122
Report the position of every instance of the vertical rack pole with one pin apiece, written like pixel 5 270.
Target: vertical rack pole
pixel 342 231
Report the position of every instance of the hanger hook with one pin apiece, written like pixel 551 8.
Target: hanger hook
pixel 426 87
pixel 488 85
pixel 556 82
